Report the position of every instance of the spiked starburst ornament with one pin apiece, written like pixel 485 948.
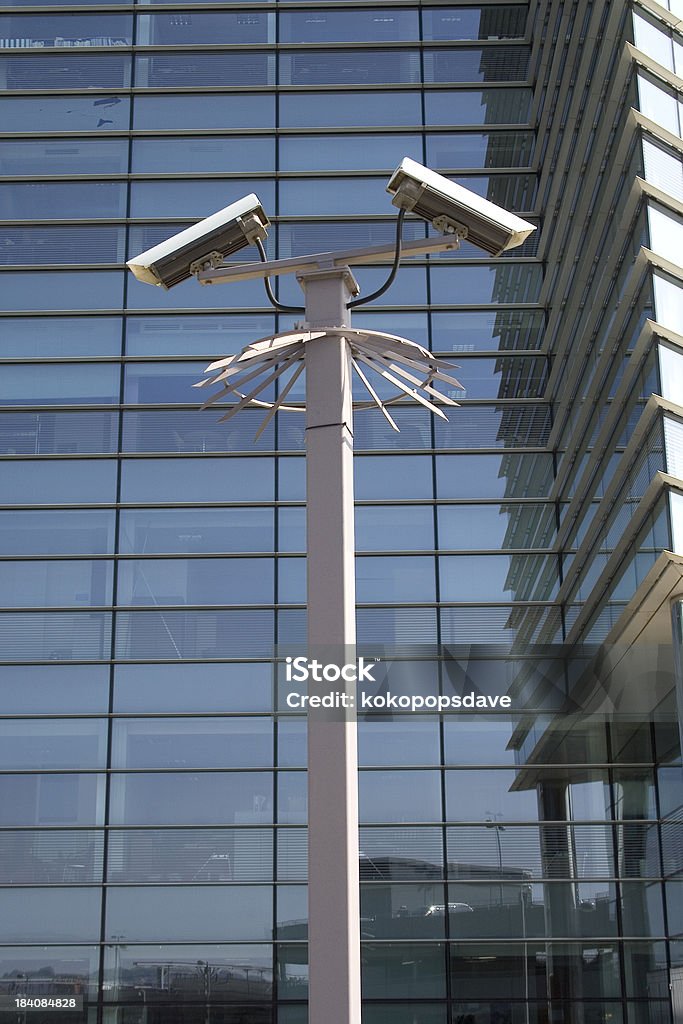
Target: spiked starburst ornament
pixel 409 368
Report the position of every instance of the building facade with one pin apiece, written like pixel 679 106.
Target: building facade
pixel 152 782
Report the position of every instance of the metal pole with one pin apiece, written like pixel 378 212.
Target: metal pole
pixel 333 883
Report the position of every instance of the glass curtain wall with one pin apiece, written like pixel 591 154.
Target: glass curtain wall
pixel 152 782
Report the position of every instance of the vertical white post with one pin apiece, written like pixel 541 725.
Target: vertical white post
pixel 333 893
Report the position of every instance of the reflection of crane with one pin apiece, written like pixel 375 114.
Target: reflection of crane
pixel 492 822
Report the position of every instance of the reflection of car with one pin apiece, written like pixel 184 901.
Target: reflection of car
pixel 439 909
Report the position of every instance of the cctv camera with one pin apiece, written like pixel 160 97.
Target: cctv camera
pixel 205 243
pixel 453 209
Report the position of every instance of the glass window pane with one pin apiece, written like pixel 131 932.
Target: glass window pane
pixel 63 799
pixel 504 330
pixel 194 531
pixel 399 796
pixel 56 744
pixel 54 689
pixel 203 743
pixel 72 970
pixel 496 527
pixel 331 26
pixel 493 476
pixel 59 289
pixel 484 284
pixel 189 28
pixel 394 527
pixel 395 578
pixel 168 70
pixel 349 67
pixel 485 22
pixel 56 533
pixel 203 154
pixel 398 742
pixel 387 476
pixel 403 970
pixel 50 914
pixel 65 113
pixel 193 688
pixel 55 583
pixel 206 913
pixel 194 634
pixel 69 70
pixel 192 798
pixel 194 112
pixel 81 156
pixel 452 107
pixel 195 198
pixel 346 152
pixel 93 383
pixel 165 480
pixel 485 149
pixel 60 336
pixel 205 335
pixel 83 200
pixel 329 110
pixel 41 481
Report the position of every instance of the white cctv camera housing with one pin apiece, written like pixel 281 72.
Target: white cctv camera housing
pixel 205 243
pixel 453 209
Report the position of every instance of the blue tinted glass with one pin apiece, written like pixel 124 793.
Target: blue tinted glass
pixel 60 336
pixel 188 295
pixel 192 798
pixel 193 743
pixel 162 383
pixel 489 22
pixel 346 152
pixel 102 29
pixel 467 64
pixel 193 198
pixel 394 527
pixel 400 796
pixel 291 581
pixel 65 914
pixel 298 239
pixel 194 634
pixel 56 290
pixel 504 282
pixel 42 481
pixel 204 154
pixel 65 113
pixel 502 378
pixel 195 531
pixel 506 329
pixel 75 384
pixel 407 742
pixel 54 583
pixel 498 577
pixel 193 112
pixel 73 156
pixel 196 581
pixel 387 476
pixel 56 244
pixel 210 336
pixel 490 149
pixel 350 67
pixel 291 529
pixel 55 533
pixel 406 325
pixel 193 688
pixel 57 433
pixel 494 527
pixel 185 29
pixel 291 479
pixel 70 70
pixel 175 70
pixel 212 480
pixel 56 201
pixel 60 799
pixel 488 796
pixel 395 578
pixel 80 963
pixel 332 197
pixel 494 476
pixel 54 689
pixel 474 106
pixel 328 110
pixel 62 744
pixel 190 430
pixel 55 636
pixel 356 26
